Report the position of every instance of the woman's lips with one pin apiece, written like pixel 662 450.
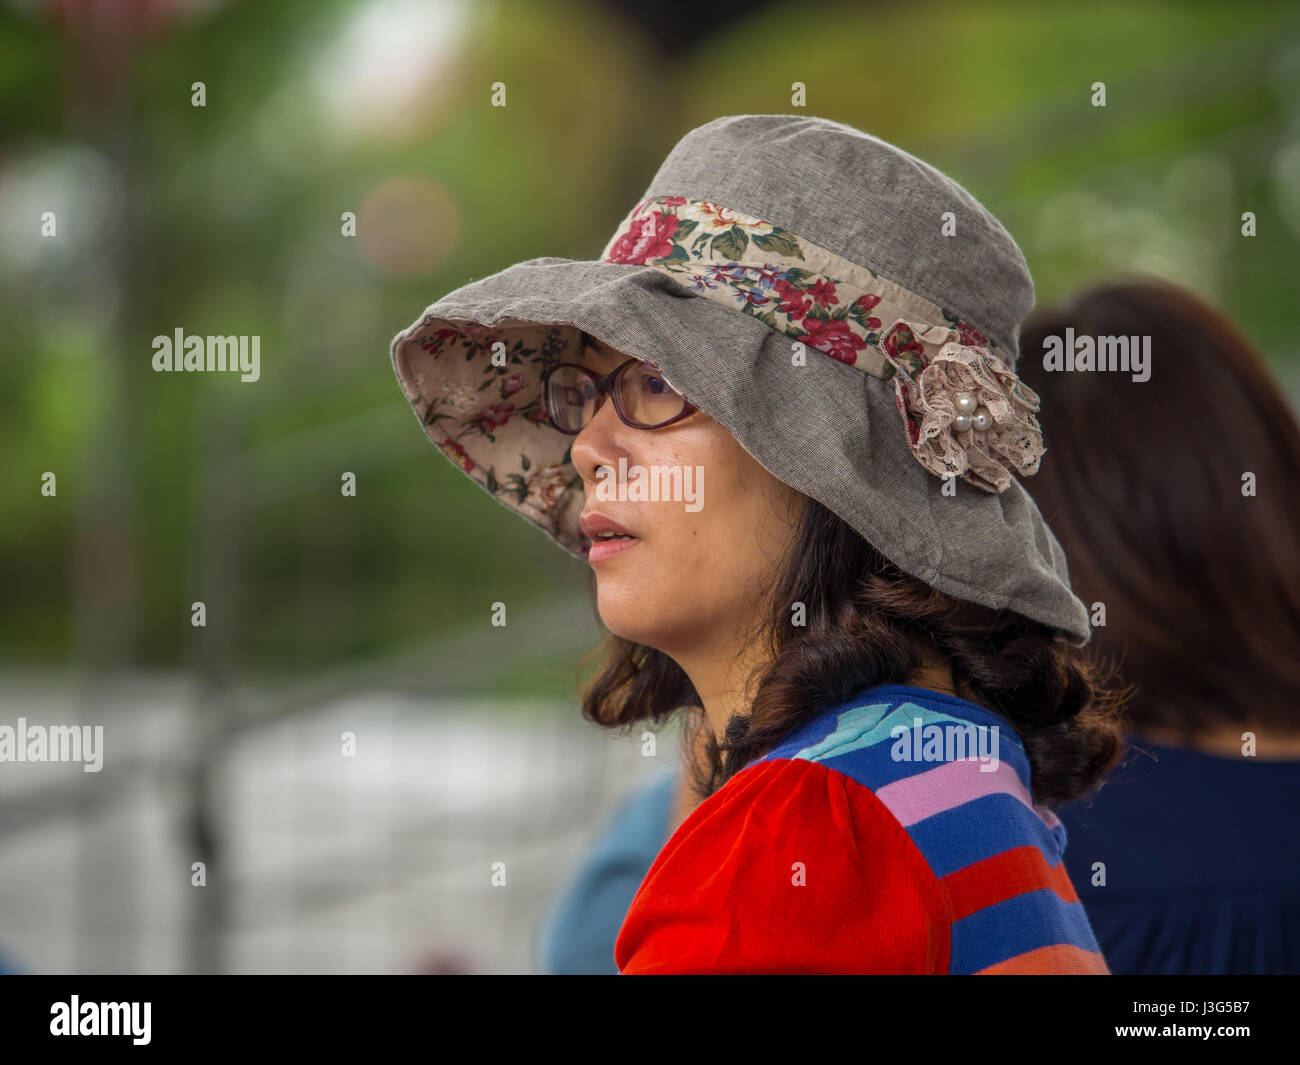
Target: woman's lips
pixel 597 528
pixel 604 549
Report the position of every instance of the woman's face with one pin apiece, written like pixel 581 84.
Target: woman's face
pixel 693 573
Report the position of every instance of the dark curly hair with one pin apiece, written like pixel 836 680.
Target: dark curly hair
pixel 869 623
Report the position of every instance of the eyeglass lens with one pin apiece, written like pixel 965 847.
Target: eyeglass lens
pixel 642 397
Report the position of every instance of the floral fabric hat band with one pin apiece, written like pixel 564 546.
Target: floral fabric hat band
pixel 963 409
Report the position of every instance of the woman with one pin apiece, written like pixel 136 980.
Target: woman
pixel 1180 520
pixel 779 419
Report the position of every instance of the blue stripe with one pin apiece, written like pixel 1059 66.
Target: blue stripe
pixel 979 829
pixel 1016 925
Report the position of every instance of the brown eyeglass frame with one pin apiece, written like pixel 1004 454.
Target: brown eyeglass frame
pixel 605 386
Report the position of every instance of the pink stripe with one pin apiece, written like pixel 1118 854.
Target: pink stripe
pixel 946 786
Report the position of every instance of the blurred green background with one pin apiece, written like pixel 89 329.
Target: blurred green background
pixel 226 219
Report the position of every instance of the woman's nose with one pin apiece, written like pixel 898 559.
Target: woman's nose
pixel 600 443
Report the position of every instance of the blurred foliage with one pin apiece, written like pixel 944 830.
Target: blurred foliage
pixel 225 219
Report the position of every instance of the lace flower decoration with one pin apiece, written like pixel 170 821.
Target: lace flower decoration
pixel 965 411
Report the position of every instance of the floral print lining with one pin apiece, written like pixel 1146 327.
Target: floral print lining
pixel 484 415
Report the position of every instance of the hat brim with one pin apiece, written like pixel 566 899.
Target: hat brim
pixel 826 429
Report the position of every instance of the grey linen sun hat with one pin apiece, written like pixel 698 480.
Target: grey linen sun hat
pixel 847 312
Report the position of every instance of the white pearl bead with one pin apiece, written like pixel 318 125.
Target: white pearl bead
pixel 983 420
pixel 965 403
pixel 961 422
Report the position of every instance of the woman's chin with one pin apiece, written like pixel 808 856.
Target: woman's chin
pixel 627 616
pixel 622 621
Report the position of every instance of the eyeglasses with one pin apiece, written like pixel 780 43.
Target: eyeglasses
pixel 642 398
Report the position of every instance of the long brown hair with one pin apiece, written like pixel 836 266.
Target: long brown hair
pixel 1143 485
pixel 868 623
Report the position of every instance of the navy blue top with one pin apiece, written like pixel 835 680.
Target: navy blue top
pixel 1201 856
pixel 1202 862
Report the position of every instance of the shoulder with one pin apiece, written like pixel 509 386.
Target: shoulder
pixel 936 763
pixel 913 811
pixel 956 778
pixel 792 867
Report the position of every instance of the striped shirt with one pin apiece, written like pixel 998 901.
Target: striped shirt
pixel 894 833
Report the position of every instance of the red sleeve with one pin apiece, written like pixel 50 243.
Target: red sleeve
pixel 791 867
